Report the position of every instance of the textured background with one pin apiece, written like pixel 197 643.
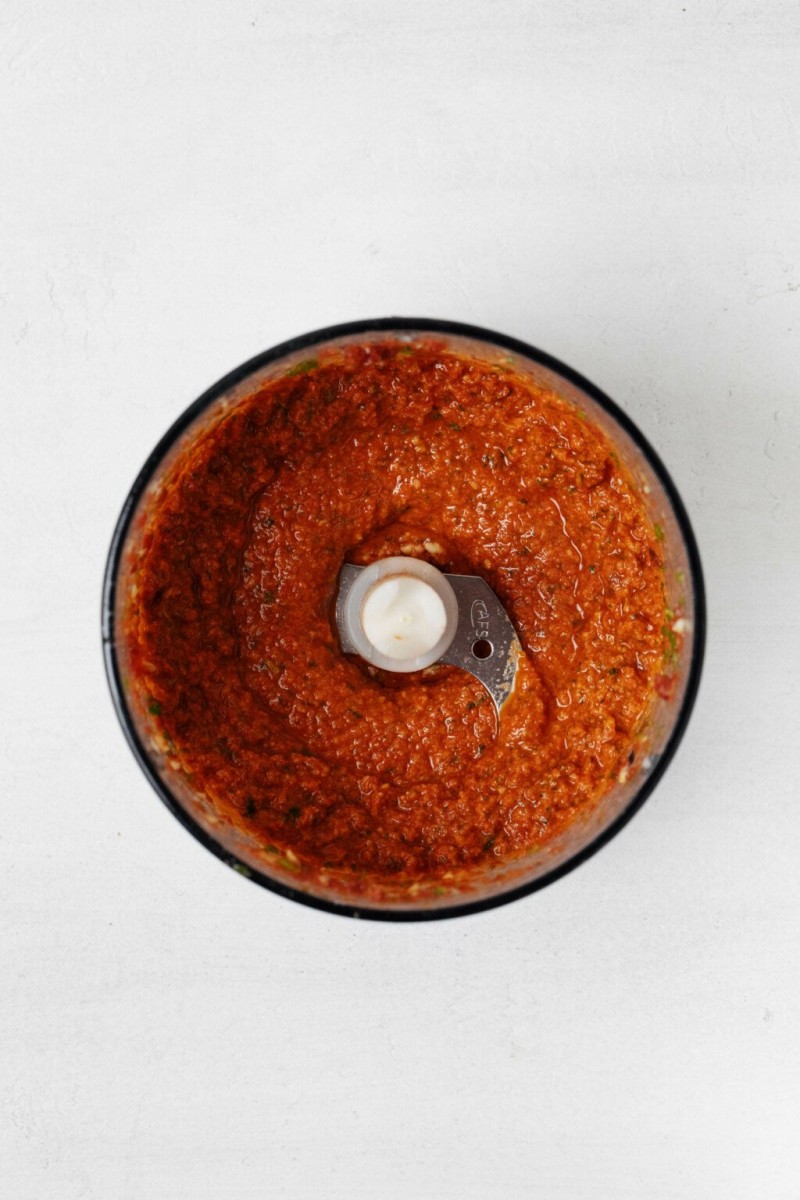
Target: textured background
pixel 183 186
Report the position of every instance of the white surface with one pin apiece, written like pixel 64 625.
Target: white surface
pixel 184 186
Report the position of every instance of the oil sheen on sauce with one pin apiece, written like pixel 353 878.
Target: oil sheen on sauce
pixel 391 448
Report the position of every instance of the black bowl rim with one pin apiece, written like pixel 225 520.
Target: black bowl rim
pixel 303 342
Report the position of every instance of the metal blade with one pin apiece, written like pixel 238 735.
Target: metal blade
pixel 483 626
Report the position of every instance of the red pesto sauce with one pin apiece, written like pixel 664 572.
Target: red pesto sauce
pixel 338 768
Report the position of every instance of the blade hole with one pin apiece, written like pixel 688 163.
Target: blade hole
pixel 482 648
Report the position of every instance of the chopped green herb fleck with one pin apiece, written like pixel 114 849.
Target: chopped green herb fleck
pixel 241 868
pixel 454 425
pixel 658 531
pixel 154 707
pixel 269 597
pixel 487 845
pixel 672 640
pixel 225 750
pixel 359 716
pixel 302 368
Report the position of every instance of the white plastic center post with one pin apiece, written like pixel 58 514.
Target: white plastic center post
pixel 403 617
pixel 401 614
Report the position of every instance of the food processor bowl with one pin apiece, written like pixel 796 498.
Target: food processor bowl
pixel 500 881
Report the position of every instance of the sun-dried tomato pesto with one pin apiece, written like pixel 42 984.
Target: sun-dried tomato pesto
pixel 387 449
